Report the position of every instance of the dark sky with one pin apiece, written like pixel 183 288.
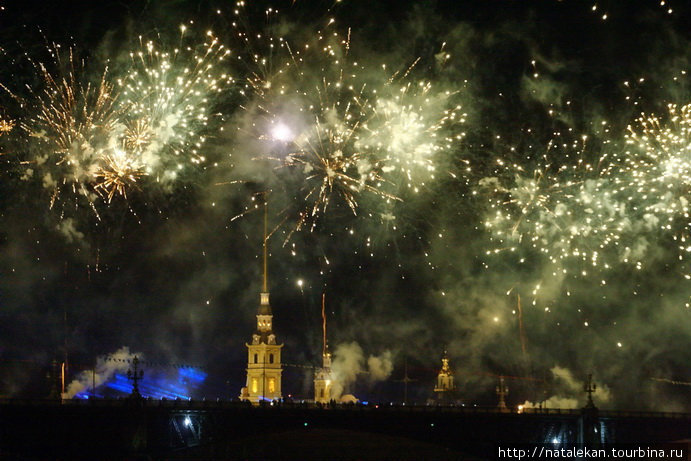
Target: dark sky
pixel 168 274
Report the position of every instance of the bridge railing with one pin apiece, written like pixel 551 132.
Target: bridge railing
pixel 220 404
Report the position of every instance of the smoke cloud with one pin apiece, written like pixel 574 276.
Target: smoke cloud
pixel 349 362
pixel 569 392
pixel 106 367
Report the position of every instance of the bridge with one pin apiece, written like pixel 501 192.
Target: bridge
pixel 180 429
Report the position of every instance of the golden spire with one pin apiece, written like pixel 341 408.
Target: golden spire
pixel 266 218
pixel 264 294
pixel 324 324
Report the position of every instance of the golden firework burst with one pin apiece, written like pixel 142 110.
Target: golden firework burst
pixel 118 173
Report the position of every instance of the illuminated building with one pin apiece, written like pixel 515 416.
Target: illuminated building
pixel 323 381
pixel 264 353
pixel 445 389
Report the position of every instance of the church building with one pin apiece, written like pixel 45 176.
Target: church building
pixel 263 353
pixel 323 380
pixel 445 390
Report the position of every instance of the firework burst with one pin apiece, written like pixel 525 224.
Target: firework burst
pixel 98 139
pixel 328 171
pixel 69 119
pixel 555 210
pixel 414 123
pixel 351 130
pixel 310 108
pixel 119 173
pixel 167 96
pixel 659 168
pixel 617 210
pixel 6 125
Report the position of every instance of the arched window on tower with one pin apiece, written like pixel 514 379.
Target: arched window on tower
pixel 256 358
pixel 271 358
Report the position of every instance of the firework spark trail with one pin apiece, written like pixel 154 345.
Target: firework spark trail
pixel 6 125
pixel 258 50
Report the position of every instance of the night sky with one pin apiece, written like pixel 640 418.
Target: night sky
pixel 539 230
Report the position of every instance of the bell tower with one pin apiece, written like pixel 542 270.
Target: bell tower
pixel 263 353
pixel 445 387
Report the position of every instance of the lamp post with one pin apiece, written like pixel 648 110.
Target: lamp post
pixel 135 375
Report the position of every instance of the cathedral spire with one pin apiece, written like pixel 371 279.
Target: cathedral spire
pixel 264 306
pixel 323 379
pixel 265 286
pixel 325 347
pixel 264 368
